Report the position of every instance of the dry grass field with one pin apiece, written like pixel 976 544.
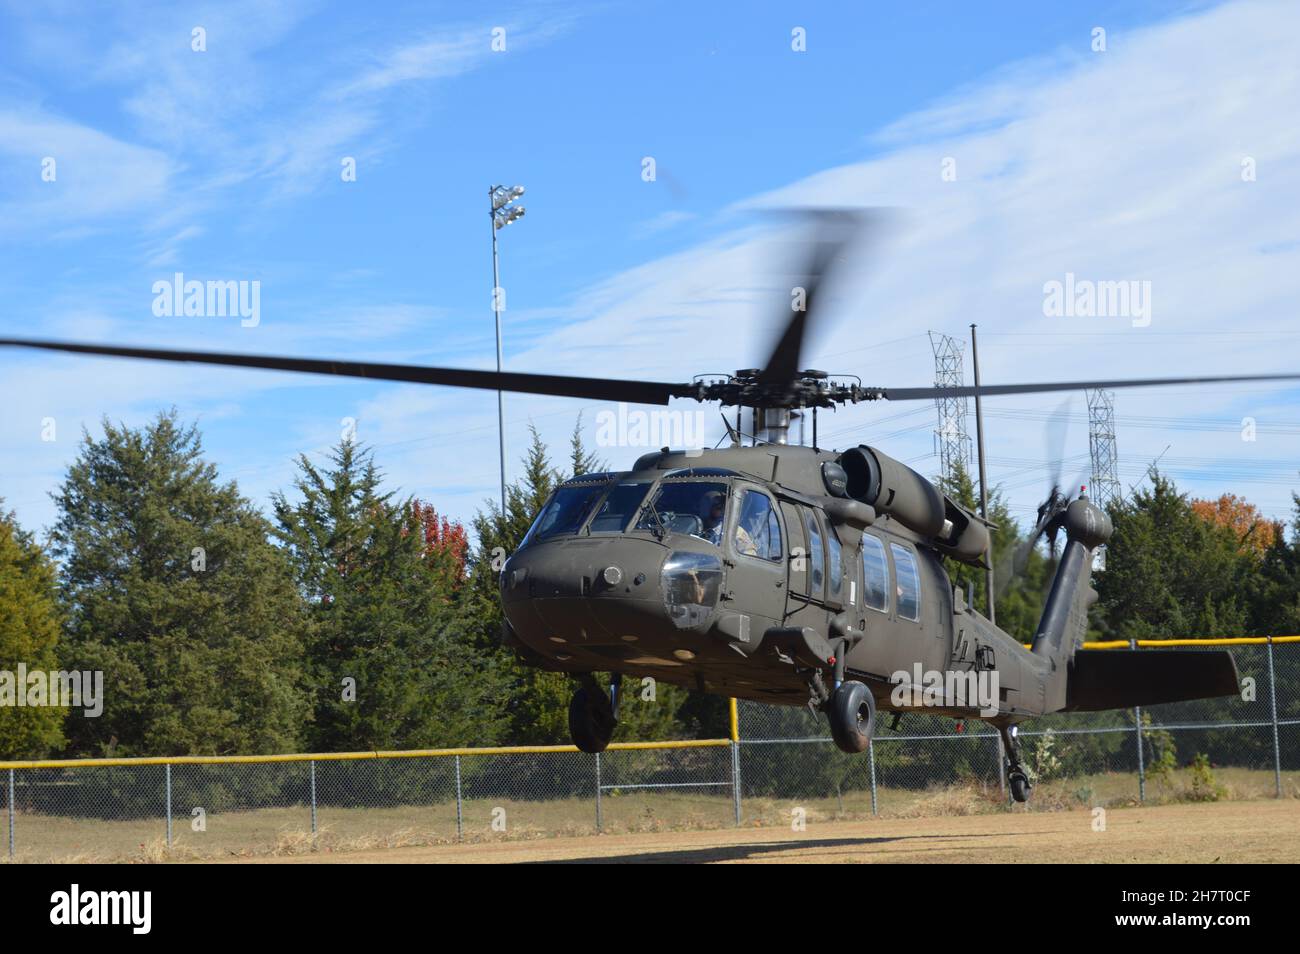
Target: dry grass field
pixel 1258 831
pixel 1245 823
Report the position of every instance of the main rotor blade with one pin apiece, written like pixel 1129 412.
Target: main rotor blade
pixel 595 389
pixel 993 390
pixel 832 232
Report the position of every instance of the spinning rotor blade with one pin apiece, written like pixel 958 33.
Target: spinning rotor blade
pixel 595 389
pixel 1012 566
pixel 833 232
pixel 994 390
pixel 1056 430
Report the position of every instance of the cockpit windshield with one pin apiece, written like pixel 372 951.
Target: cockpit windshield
pixel 617 508
pixel 565 512
pixel 696 508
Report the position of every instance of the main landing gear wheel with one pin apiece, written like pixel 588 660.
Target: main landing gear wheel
pixel 852 714
pixel 591 719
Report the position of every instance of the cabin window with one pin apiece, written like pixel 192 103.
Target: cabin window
pixel 835 569
pixel 618 508
pixel 690 507
pixel 816 558
pixel 757 532
pixel 907 583
pixel 875 574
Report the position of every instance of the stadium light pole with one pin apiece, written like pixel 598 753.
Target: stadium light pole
pixel 503 212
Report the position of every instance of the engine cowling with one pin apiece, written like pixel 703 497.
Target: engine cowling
pixel 893 488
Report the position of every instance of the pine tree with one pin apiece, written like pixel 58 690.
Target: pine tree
pixel 392 660
pixel 1019 591
pixel 29 634
pixel 581 460
pixel 1170 573
pixel 171 587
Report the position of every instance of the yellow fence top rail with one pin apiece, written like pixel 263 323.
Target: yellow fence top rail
pixel 1167 643
pixel 734 728
pixel 353 756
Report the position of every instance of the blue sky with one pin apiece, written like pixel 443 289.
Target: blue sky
pixel 225 165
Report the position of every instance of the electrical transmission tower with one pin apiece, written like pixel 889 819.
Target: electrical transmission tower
pixel 950 439
pixel 1105 488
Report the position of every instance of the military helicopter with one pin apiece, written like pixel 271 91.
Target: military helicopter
pixel 788 574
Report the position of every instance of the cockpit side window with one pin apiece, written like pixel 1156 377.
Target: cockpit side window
pixel 693 507
pixel 758 531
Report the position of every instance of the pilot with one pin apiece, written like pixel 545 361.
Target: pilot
pixel 747 531
pixel 716 505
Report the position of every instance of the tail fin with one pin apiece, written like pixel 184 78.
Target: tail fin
pixel 1065 616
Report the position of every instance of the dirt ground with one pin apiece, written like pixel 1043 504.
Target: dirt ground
pixel 1257 831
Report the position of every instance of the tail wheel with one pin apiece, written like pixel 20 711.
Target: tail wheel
pixel 852 714
pixel 591 720
pixel 1019 786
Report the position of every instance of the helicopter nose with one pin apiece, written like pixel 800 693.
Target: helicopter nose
pixel 582 590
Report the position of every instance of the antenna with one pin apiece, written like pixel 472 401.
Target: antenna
pixel 951 440
pixel 984 493
pixel 1101 444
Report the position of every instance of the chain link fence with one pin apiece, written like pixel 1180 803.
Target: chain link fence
pixel 1236 747
pixel 144 810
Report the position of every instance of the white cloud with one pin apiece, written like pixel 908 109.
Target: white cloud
pixel 95 176
pixel 1115 166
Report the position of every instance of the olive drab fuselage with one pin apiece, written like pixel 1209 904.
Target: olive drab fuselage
pixel 796 573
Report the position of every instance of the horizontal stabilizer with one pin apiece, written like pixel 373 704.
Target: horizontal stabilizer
pixel 1111 679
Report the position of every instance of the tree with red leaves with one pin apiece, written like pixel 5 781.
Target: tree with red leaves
pixel 445 546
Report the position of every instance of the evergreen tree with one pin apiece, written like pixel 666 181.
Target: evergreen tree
pixel 1019 591
pixel 581 460
pixel 1170 573
pixel 171 587
pixel 392 661
pixel 1275 586
pixel 29 634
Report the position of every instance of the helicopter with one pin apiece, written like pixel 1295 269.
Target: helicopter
pixel 789 574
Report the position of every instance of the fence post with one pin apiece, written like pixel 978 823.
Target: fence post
pixel 169 806
pixel 312 771
pixel 1002 770
pixel 460 818
pixel 600 824
pixel 1272 702
pixel 11 814
pixel 733 711
pixel 735 779
pixel 871 762
pixel 1137 722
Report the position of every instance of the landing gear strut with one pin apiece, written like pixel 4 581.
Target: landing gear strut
pixel 1017 778
pixel 592 714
